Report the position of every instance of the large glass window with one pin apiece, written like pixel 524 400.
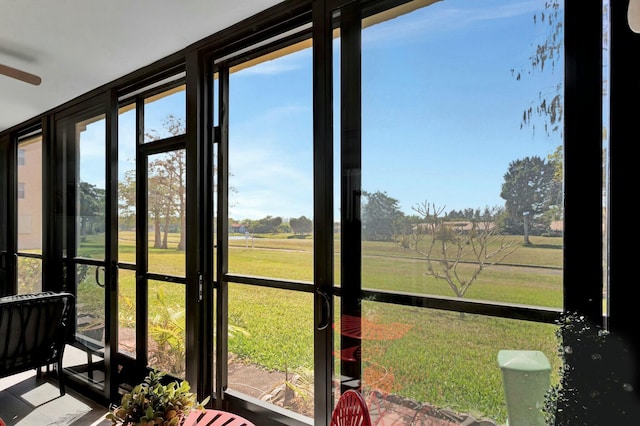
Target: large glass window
pixel 271 167
pixel 462 197
pixel 461 159
pixel 270 237
pixel 127 228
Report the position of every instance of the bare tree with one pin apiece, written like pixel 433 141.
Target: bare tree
pixel 457 251
pixel 170 174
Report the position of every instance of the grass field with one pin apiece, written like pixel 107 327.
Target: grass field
pixel 443 358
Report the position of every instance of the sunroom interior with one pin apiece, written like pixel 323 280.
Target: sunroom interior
pixel 278 201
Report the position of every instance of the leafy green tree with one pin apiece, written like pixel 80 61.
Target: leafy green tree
pixel 127 198
pixel 301 225
pixel 382 219
pixel 266 225
pixel 529 190
pixel 91 209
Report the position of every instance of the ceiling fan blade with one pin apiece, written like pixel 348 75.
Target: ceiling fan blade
pixel 20 75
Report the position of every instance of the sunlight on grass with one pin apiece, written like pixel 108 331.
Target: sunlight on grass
pixel 446 359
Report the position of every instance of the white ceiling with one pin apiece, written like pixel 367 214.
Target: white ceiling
pixel 78 45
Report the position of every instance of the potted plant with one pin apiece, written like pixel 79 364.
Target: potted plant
pixel 154 403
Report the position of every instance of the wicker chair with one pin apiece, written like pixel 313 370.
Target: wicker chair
pixel 33 330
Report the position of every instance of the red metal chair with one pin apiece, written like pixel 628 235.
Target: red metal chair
pixel 215 418
pixel 351 410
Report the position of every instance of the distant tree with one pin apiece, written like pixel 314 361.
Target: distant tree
pixel 529 191
pixel 127 198
pixel 169 172
pixel 382 219
pixel 266 225
pixel 155 205
pixel 301 225
pixel 166 198
pixel 556 203
pixel 458 254
pixel 92 201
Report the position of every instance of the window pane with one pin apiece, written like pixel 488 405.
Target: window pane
pixel 167 215
pixel 90 240
pixel 90 304
pixel 29 275
pixel 431 365
pixel 127 312
pixel 271 346
pixel 461 197
pixel 127 184
pixel 167 351
pixel 271 167
pixel 30 196
pixel 162 112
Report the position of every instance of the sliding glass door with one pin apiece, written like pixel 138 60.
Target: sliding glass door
pixel 265 261
pixel 86 245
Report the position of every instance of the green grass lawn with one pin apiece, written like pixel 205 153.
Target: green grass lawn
pixel 445 359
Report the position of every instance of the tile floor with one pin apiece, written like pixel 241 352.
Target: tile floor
pixel 26 400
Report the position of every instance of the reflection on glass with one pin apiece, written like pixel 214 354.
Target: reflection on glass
pixel 271 346
pixel 127 184
pixel 166 340
pixel 167 212
pixel 459 194
pixel 271 167
pixel 165 114
pixel 30 196
pixel 127 312
pixel 428 364
pixel 90 202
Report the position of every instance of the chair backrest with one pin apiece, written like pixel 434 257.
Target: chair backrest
pixel 351 410
pixel 33 329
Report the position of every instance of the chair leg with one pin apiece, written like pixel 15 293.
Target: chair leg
pixel 61 377
pixel 89 364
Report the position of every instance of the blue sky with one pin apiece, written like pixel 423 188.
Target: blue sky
pixel 441 112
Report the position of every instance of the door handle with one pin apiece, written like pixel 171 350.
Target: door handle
pixel 98 276
pixel 325 310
